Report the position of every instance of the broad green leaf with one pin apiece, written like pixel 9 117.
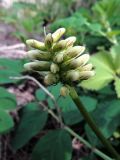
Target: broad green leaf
pixel 40 95
pixel 7 100
pixel 117 86
pixel 113 33
pixel 107 118
pixel 104 70
pixel 8 68
pixel 108 90
pixel 16 65
pixel 103 60
pixel 7 104
pixel 55 145
pixel 115 53
pixel 6 122
pixel 6 74
pixel 107 10
pixel 100 80
pixel 5 94
pixel 70 24
pixel 32 122
pixel 95 28
pixel 69 110
pixel 55 90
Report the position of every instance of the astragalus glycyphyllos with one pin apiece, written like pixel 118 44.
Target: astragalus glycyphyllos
pixel 63 61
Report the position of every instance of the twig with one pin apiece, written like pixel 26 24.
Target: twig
pixel 95 150
pixel 46 91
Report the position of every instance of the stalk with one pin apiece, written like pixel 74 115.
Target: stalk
pixel 92 124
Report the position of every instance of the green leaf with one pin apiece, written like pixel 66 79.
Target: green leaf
pixel 113 33
pixel 70 24
pixel 107 118
pixel 95 28
pixel 108 90
pixel 7 100
pixel 115 53
pixel 117 86
pixel 40 94
pixel 7 104
pixel 55 145
pixel 6 122
pixel 55 90
pixel 8 68
pixel 32 122
pixel 70 112
pixel 107 10
pixel 104 70
pixel 5 94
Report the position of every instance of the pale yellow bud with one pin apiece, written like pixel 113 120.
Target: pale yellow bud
pixel 54 68
pixel 70 41
pixel 58 58
pixel 64 91
pixel 73 75
pixel 38 66
pixel 58 34
pixel 38 55
pixel 36 44
pixel 82 60
pixel 48 41
pixel 51 79
pixel 74 52
pixel 61 45
pixel 87 67
pixel 86 74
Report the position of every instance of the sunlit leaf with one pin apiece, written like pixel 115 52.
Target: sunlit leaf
pixel 104 70
pixel 117 86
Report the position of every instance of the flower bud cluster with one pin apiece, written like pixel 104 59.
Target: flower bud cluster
pixel 59 59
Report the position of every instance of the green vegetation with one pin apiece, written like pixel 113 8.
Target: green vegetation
pixel 50 131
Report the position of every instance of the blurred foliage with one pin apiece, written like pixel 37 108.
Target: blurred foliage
pixel 98 28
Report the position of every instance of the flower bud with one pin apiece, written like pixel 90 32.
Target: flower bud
pixel 36 44
pixel 58 34
pixel 73 75
pixel 48 41
pixel 82 60
pixel 70 41
pixel 64 91
pixel 86 74
pixel 61 45
pixel 58 58
pixel 54 68
pixel 51 79
pixel 38 55
pixel 87 67
pixel 74 51
pixel 37 66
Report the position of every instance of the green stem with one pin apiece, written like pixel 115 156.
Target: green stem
pixel 69 130
pixel 92 124
pixel 95 150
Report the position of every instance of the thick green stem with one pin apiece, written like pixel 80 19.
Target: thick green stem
pixel 92 124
